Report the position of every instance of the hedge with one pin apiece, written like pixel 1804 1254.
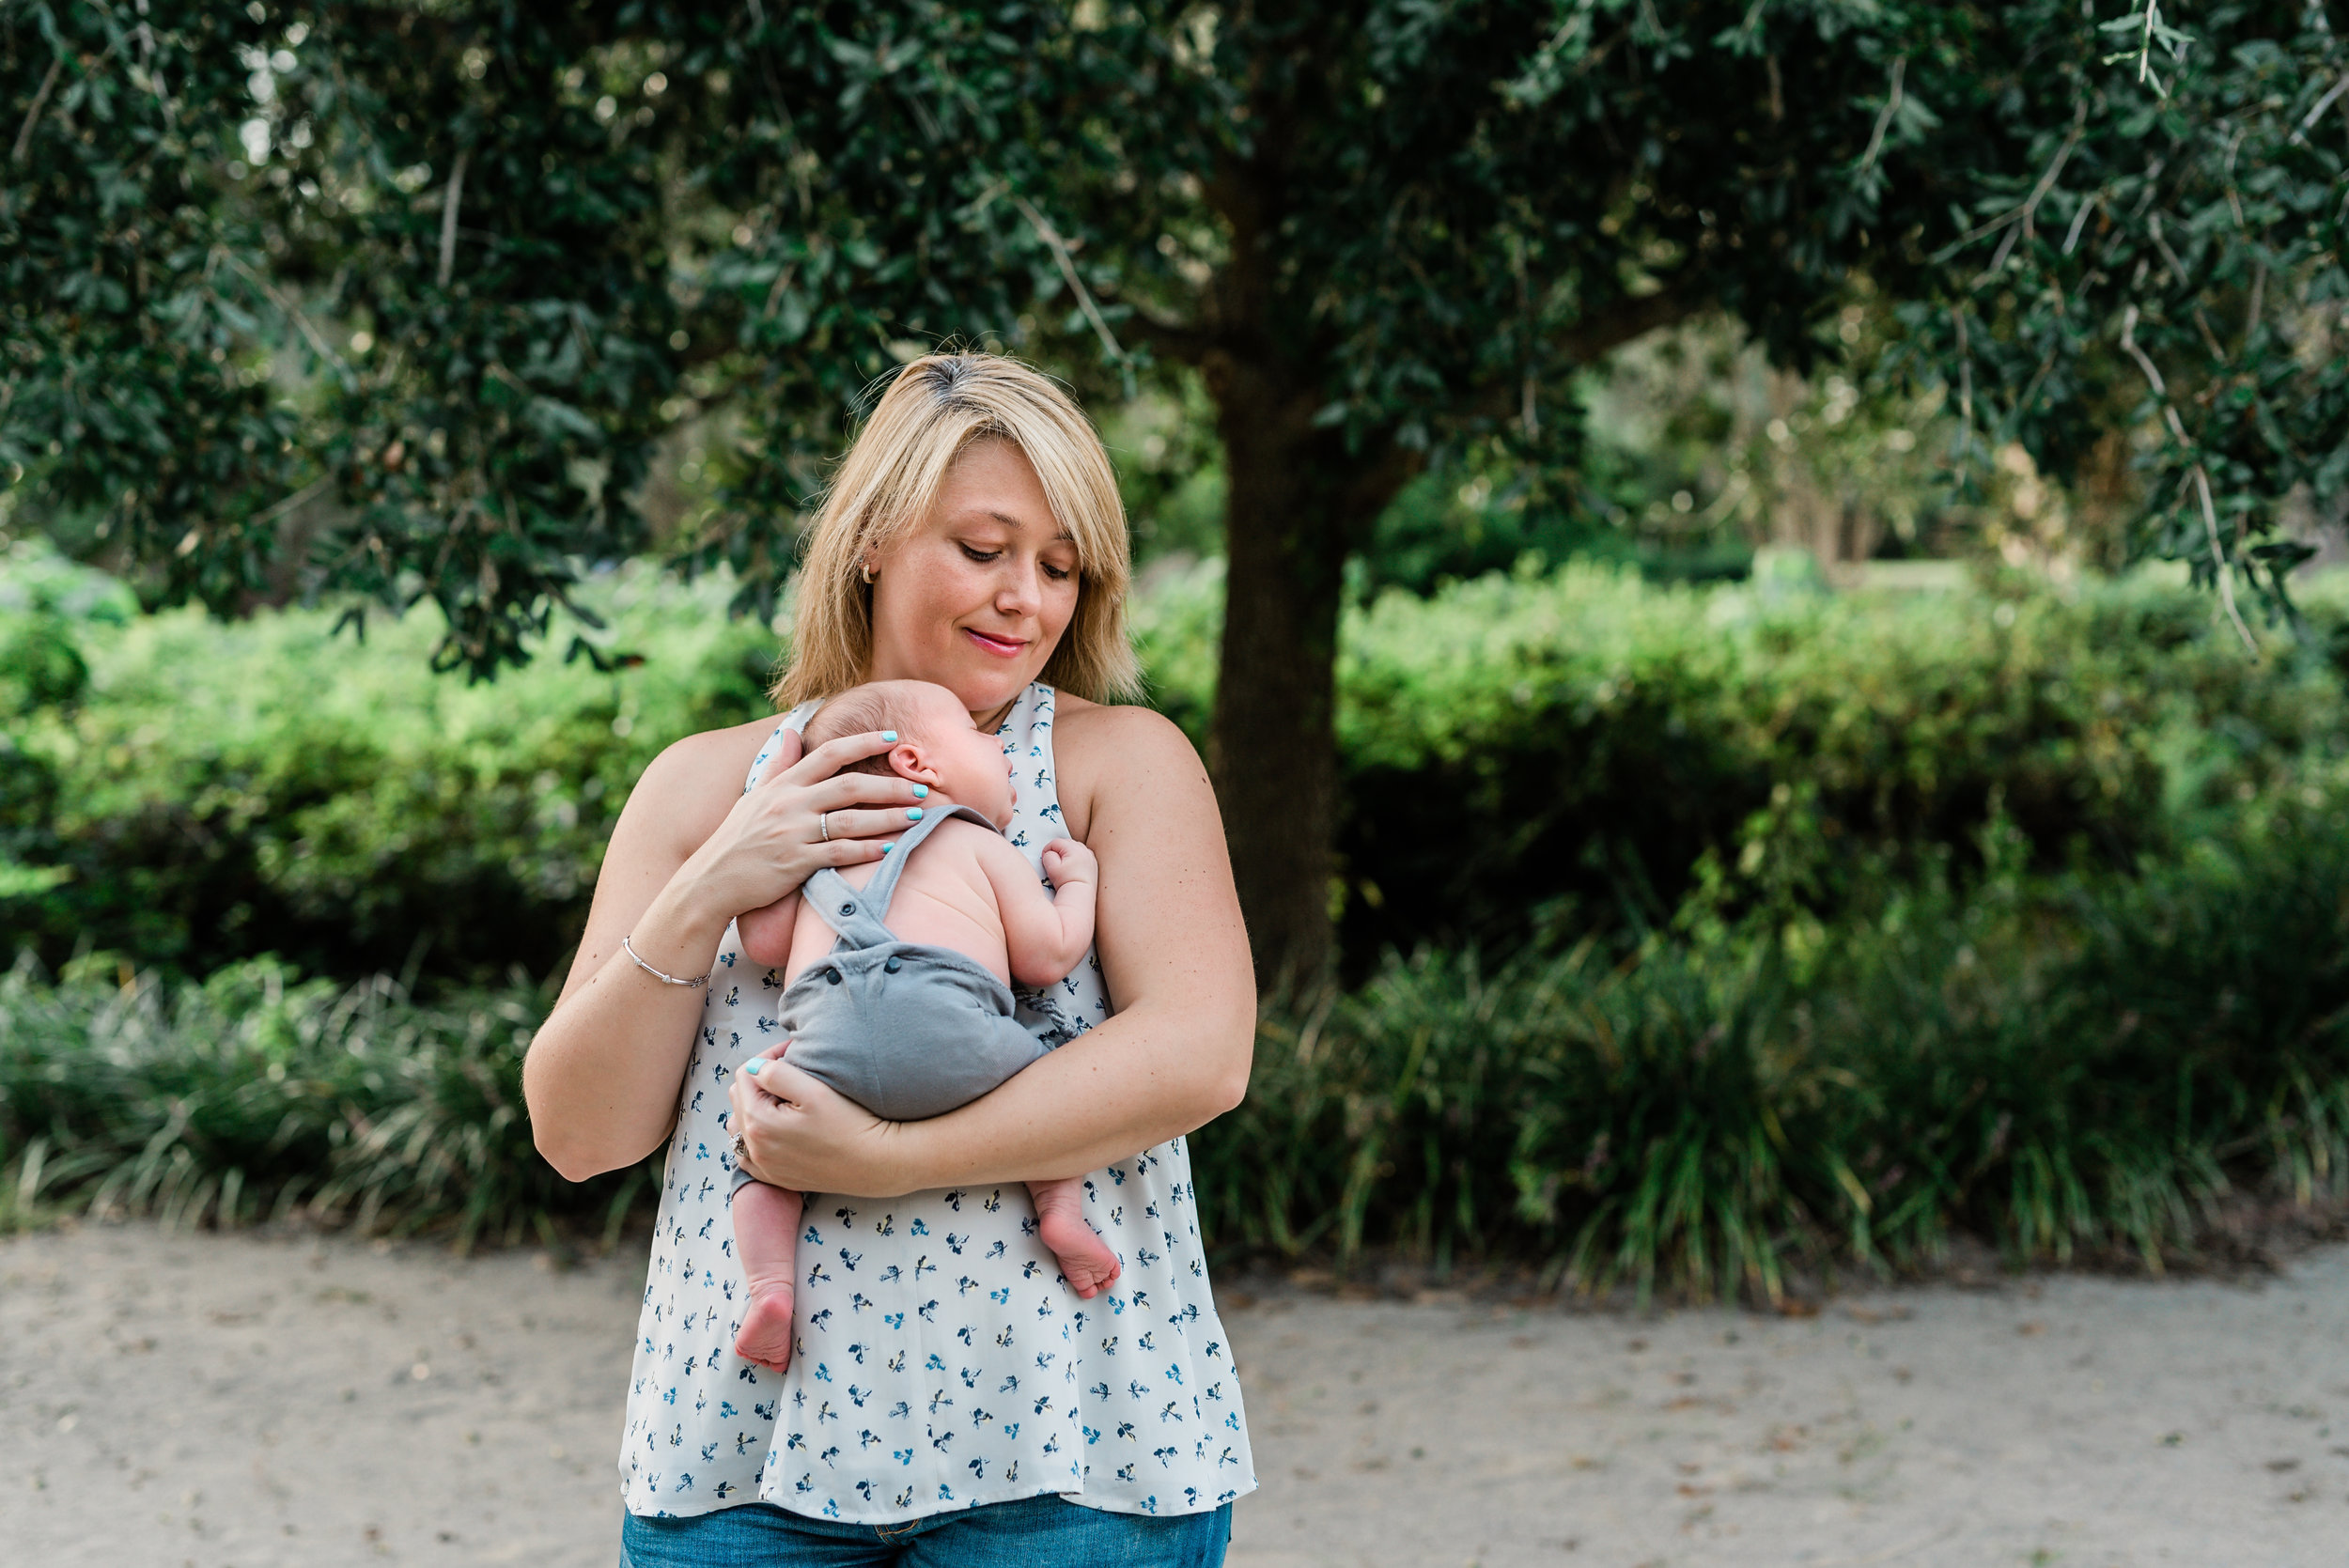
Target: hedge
pixel 2083 1065
pixel 1528 755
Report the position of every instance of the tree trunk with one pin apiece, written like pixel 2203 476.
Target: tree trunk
pixel 1296 502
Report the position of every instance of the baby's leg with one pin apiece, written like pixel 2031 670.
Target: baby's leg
pixel 1084 1257
pixel 767 1232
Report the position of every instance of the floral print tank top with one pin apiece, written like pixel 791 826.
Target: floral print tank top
pixel 941 1362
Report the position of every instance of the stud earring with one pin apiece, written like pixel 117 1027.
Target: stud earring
pixel 868 569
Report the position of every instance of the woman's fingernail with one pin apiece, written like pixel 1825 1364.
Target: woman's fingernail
pixel 752 1066
pixel 887 847
pixel 890 736
pixel 921 792
pixel 913 814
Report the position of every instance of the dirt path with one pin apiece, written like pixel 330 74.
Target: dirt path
pixel 256 1402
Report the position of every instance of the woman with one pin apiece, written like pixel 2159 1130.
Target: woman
pixel 951 1402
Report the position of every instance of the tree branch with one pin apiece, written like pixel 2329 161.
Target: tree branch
pixel 2221 562
pixel 41 97
pixel 1631 318
pixel 1591 338
pixel 32 116
pixel 2028 208
pixel 292 312
pixel 307 492
pixel 2300 137
pixel 448 217
pixel 1187 344
pixel 1884 120
pixel 1059 248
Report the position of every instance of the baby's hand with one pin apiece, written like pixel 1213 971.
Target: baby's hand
pixel 1066 860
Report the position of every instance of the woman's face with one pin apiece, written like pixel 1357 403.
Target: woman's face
pixel 975 596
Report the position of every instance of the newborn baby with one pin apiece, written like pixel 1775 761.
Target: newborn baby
pixel 897 974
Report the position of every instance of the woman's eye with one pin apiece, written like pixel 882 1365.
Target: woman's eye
pixel 1058 574
pixel 980 555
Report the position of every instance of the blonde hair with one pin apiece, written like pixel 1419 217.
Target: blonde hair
pixel 934 409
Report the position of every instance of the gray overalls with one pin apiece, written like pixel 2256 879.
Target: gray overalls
pixel 906 1030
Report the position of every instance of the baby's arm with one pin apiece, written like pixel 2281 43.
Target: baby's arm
pixel 766 933
pixel 1044 933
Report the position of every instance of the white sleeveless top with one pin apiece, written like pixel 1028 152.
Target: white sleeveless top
pixel 940 1362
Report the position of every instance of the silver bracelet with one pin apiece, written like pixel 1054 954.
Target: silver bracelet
pixel 666 979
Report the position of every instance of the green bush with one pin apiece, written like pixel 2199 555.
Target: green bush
pixel 256 1096
pixel 1574 748
pixel 2065 1064
pixel 2026 918
pixel 1523 755
pixel 212 792
pixel 1553 751
pixel 2048 1065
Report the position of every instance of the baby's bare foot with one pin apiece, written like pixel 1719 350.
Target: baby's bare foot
pixel 1085 1260
pixel 765 1337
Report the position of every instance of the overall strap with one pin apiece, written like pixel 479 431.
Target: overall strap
pixel 859 917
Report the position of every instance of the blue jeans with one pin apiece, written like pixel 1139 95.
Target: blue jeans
pixel 1035 1532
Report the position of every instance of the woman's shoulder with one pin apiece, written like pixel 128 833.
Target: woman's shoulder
pixel 694 781
pixel 719 759
pixel 1119 752
pixel 1097 732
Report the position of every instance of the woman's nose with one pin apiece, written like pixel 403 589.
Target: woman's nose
pixel 1019 593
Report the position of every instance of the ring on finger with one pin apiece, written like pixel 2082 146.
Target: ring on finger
pixel 823 825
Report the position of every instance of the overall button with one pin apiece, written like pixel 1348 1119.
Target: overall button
pixel 833 975
pixel 891 966
pixel 847 909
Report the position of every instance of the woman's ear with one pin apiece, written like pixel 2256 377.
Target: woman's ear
pixel 911 759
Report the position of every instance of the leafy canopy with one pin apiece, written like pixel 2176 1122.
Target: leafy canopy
pixel 439 276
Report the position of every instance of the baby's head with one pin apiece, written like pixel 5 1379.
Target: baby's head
pixel 937 743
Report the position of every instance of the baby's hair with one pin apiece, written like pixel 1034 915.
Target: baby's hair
pixel 880 704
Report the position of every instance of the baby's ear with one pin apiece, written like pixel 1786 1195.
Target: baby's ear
pixel 909 759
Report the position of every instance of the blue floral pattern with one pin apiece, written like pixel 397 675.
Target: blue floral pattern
pixel 940 1362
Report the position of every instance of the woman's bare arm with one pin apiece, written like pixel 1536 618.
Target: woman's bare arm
pixel 690 852
pixel 1175 952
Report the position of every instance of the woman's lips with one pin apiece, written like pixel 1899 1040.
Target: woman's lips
pixel 1002 647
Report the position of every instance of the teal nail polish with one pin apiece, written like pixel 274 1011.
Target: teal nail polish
pixel 921 792
pixel 913 814
pixel 752 1066
pixel 887 847
pixel 890 736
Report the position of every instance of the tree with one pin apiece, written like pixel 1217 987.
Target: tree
pixel 1380 232
pixel 2164 250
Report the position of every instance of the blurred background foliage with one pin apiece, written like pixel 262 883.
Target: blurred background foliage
pixel 1700 935
pixel 397 303
pixel 1530 756
pixel 1776 822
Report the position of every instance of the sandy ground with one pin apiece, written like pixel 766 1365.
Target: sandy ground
pixel 236 1400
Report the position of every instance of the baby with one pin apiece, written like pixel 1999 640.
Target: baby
pixel 913 1017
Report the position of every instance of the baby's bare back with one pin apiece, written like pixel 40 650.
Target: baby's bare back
pixel 943 899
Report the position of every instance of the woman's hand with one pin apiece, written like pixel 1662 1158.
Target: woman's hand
pixel 802 817
pixel 804 1135
pixel 692 851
